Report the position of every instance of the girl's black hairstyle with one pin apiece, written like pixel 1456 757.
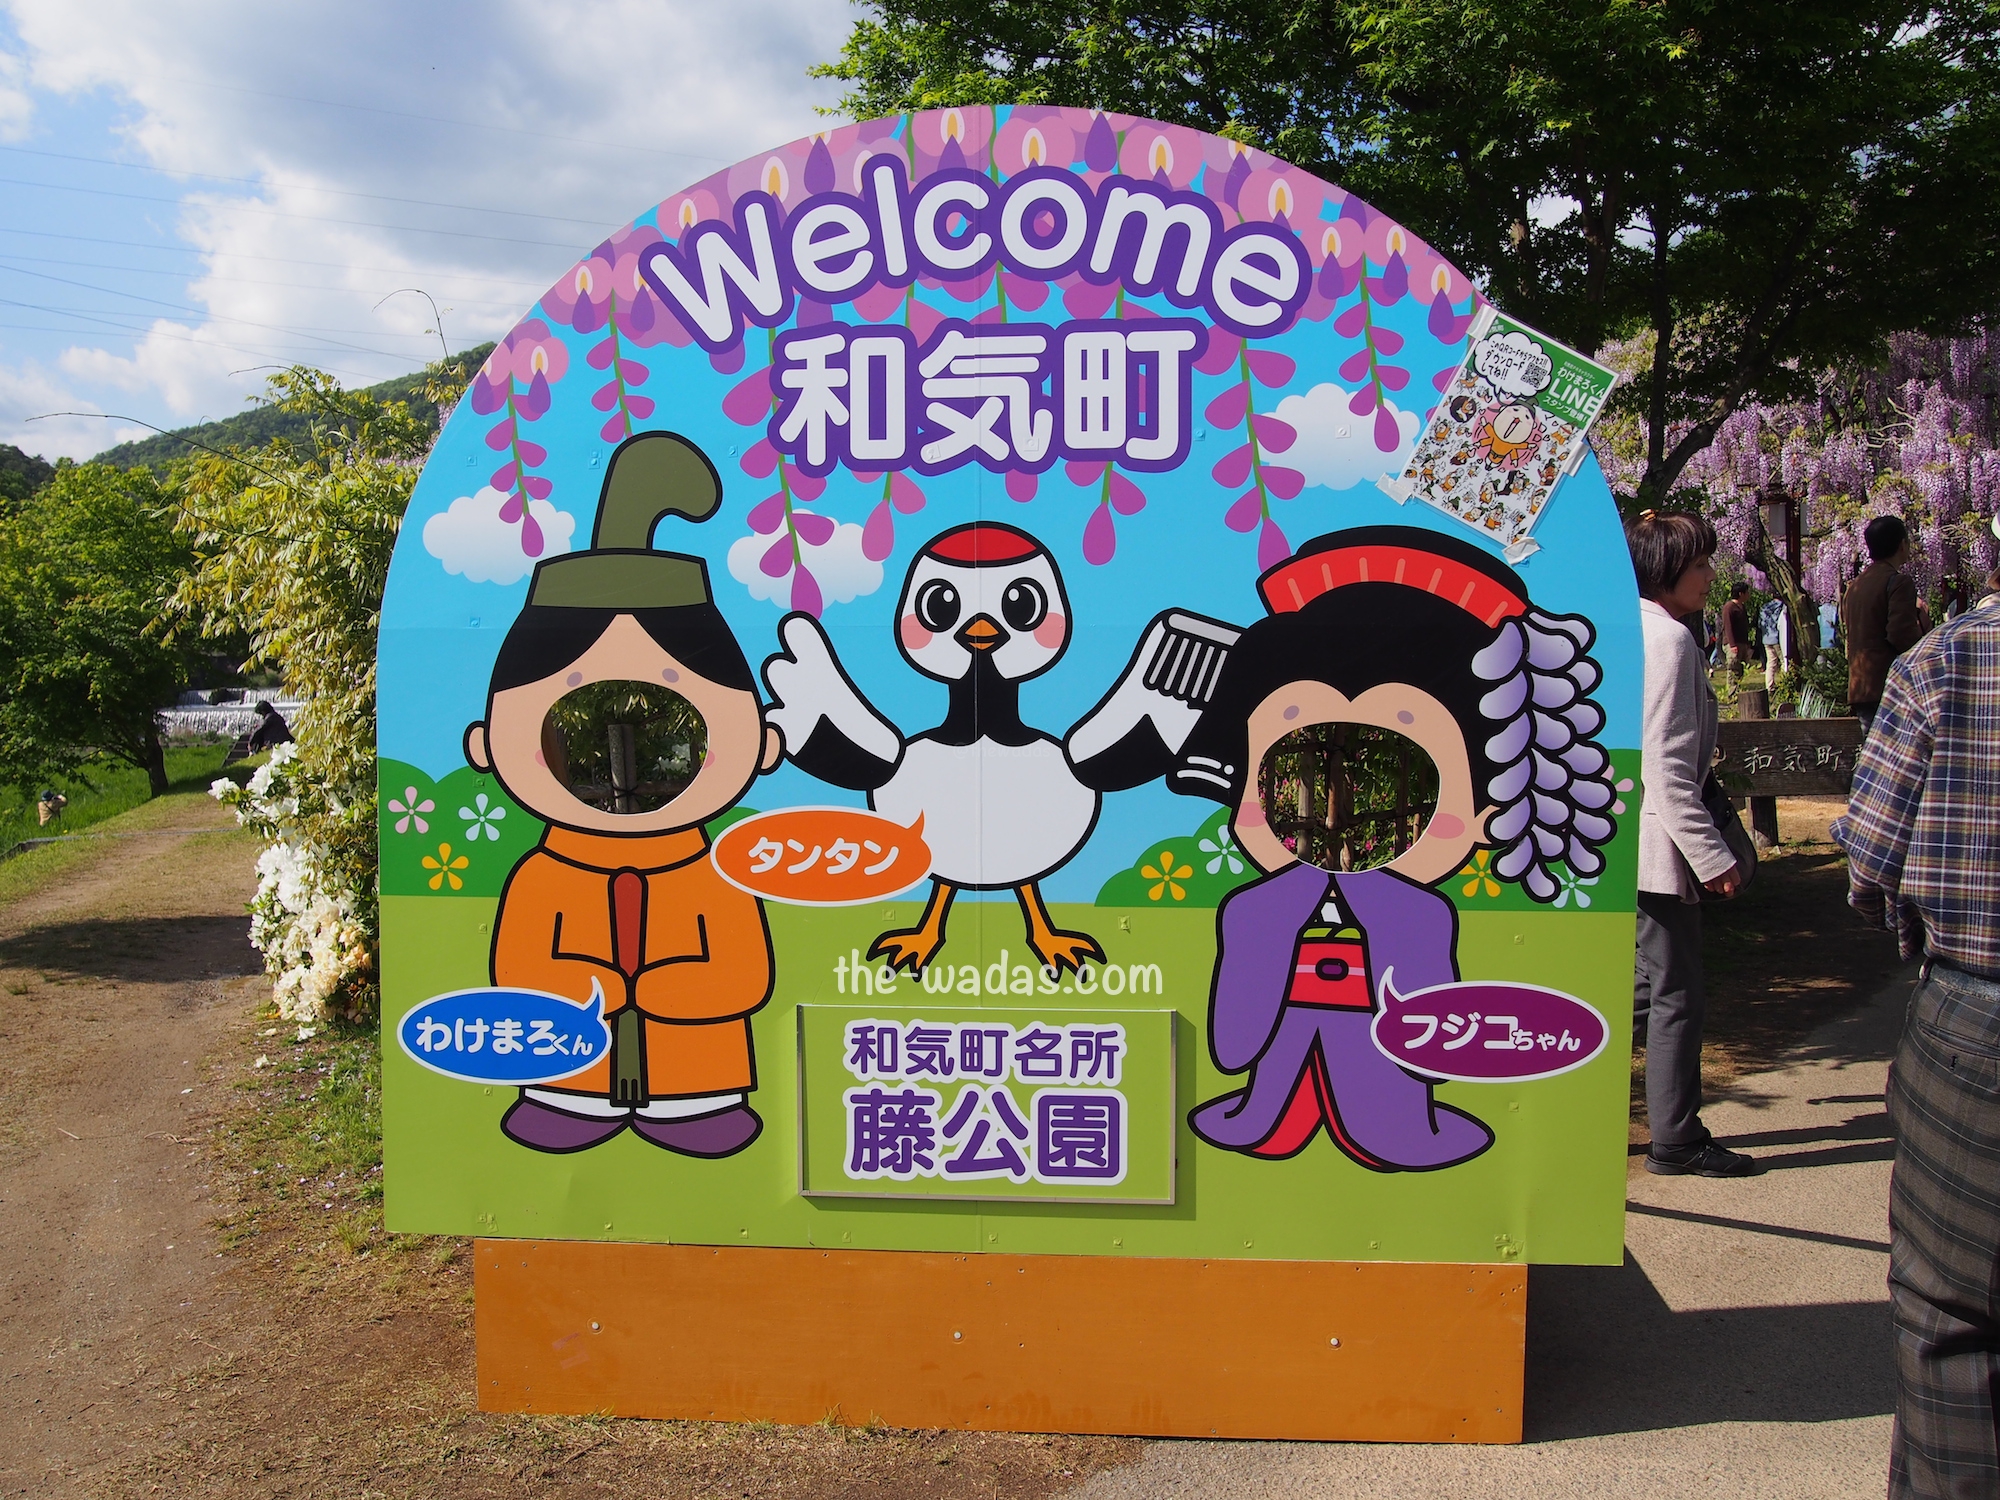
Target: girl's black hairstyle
pixel 1352 639
pixel 1664 545
pixel 1518 688
pixel 546 638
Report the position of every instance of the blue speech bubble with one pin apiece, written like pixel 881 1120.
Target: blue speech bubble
pixel 506 1035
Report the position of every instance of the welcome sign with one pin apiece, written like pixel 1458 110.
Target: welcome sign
pixel 910 721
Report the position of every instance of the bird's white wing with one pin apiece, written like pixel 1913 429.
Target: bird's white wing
pixel 820 712
pixel 1134 733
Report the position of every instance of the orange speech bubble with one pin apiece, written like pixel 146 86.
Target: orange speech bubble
pixel 822 856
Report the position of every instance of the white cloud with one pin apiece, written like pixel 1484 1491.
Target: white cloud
pixel 27 390
pixel 16 107
pixel 360 129
pixel 470 538
pixel 1337 448
pixel 840 568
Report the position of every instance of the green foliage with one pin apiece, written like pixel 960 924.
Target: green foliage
pixel 103 789
pixel 272 422
pixel 1279 75
pixel 84 568
pixel 1766 189
pixel 631 746
pixel 424 837
pixel 1825 676
pixel 291 553
pixel 21 474
pixel 1196 869
pixel 313 1138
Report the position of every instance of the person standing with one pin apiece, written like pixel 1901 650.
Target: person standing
pixel 1736 630
pixel 1681 851
pixel 1924 862
pixel 1879 615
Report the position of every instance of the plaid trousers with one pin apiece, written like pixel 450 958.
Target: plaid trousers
pixel 1944 1234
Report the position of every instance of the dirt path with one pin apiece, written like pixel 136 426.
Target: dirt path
pixel 176 1324
pixel 184 1313
pixel 118 983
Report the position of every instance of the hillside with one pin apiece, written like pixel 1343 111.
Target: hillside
pixel 256 427
pixel 21 474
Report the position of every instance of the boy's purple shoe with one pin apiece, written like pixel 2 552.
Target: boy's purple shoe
pixel 723 1133
pixel 542 1127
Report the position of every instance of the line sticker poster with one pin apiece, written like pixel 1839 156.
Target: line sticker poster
pixel 1510 429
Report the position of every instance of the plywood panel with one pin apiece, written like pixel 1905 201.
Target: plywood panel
pixel 1264 1349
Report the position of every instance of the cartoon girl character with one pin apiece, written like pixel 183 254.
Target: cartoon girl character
pixel 1461 408
pixel 1506 435
pixel 1430 638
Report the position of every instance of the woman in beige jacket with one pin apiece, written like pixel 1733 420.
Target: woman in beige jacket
pixel 1680 849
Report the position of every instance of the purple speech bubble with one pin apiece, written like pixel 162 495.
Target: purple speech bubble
pixel 1487 1031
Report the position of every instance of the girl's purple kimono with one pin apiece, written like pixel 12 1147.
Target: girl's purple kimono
pixel 1307 1045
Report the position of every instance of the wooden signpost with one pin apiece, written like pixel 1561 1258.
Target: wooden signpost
pixel 1765 759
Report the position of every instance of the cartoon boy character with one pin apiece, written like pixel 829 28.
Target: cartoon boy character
pixel 1430 638
pixel 615 897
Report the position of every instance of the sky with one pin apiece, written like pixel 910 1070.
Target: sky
pixel 193 194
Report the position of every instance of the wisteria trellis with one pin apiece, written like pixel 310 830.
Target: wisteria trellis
pixel 1914 437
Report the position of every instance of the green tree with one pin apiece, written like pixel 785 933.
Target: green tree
pixel 21 474
pixel 85 567
pixel 291 548
pixel 1768 188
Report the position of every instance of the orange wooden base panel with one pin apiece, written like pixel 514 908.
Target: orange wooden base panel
pixel 1368 1351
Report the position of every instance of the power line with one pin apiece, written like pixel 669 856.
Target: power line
pixel 386 333
pixel 262 182
pixel 183 338
pixel 298 286
pixel 277 260
pixel 279 213
pixel 182 307
pixel 208 313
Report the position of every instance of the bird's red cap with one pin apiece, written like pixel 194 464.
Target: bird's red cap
pixel 982 544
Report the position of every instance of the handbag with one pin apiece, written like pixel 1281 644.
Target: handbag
pixel 1715 801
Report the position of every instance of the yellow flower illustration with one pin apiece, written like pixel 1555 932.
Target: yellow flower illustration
pixel 1477 870
pixel 447 868
pixel 1168 876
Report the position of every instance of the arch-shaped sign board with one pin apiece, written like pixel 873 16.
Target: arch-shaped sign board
pixel 1014 682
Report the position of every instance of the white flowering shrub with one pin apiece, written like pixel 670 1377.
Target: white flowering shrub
pixel 310 923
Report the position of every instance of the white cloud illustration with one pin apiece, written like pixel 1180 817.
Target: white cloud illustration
pixel 1337 448
pixel 470 538
pixel 838 566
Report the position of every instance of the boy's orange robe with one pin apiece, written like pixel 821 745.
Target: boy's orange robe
pixel 696 947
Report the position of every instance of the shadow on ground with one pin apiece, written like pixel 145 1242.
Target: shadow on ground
pixel 152 949
pixel 1607 1355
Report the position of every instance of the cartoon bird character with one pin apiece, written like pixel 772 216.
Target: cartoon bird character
pixel 1004 804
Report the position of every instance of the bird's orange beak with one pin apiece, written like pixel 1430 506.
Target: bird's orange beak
pixel 982 634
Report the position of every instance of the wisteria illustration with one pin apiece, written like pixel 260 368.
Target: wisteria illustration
pixel 1263 435
pixel 531 357
pixel 605 291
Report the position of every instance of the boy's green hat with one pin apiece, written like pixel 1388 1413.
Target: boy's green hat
pixel 651 475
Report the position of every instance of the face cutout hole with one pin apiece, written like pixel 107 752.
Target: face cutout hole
pixel 1347 796
pixel 624 747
